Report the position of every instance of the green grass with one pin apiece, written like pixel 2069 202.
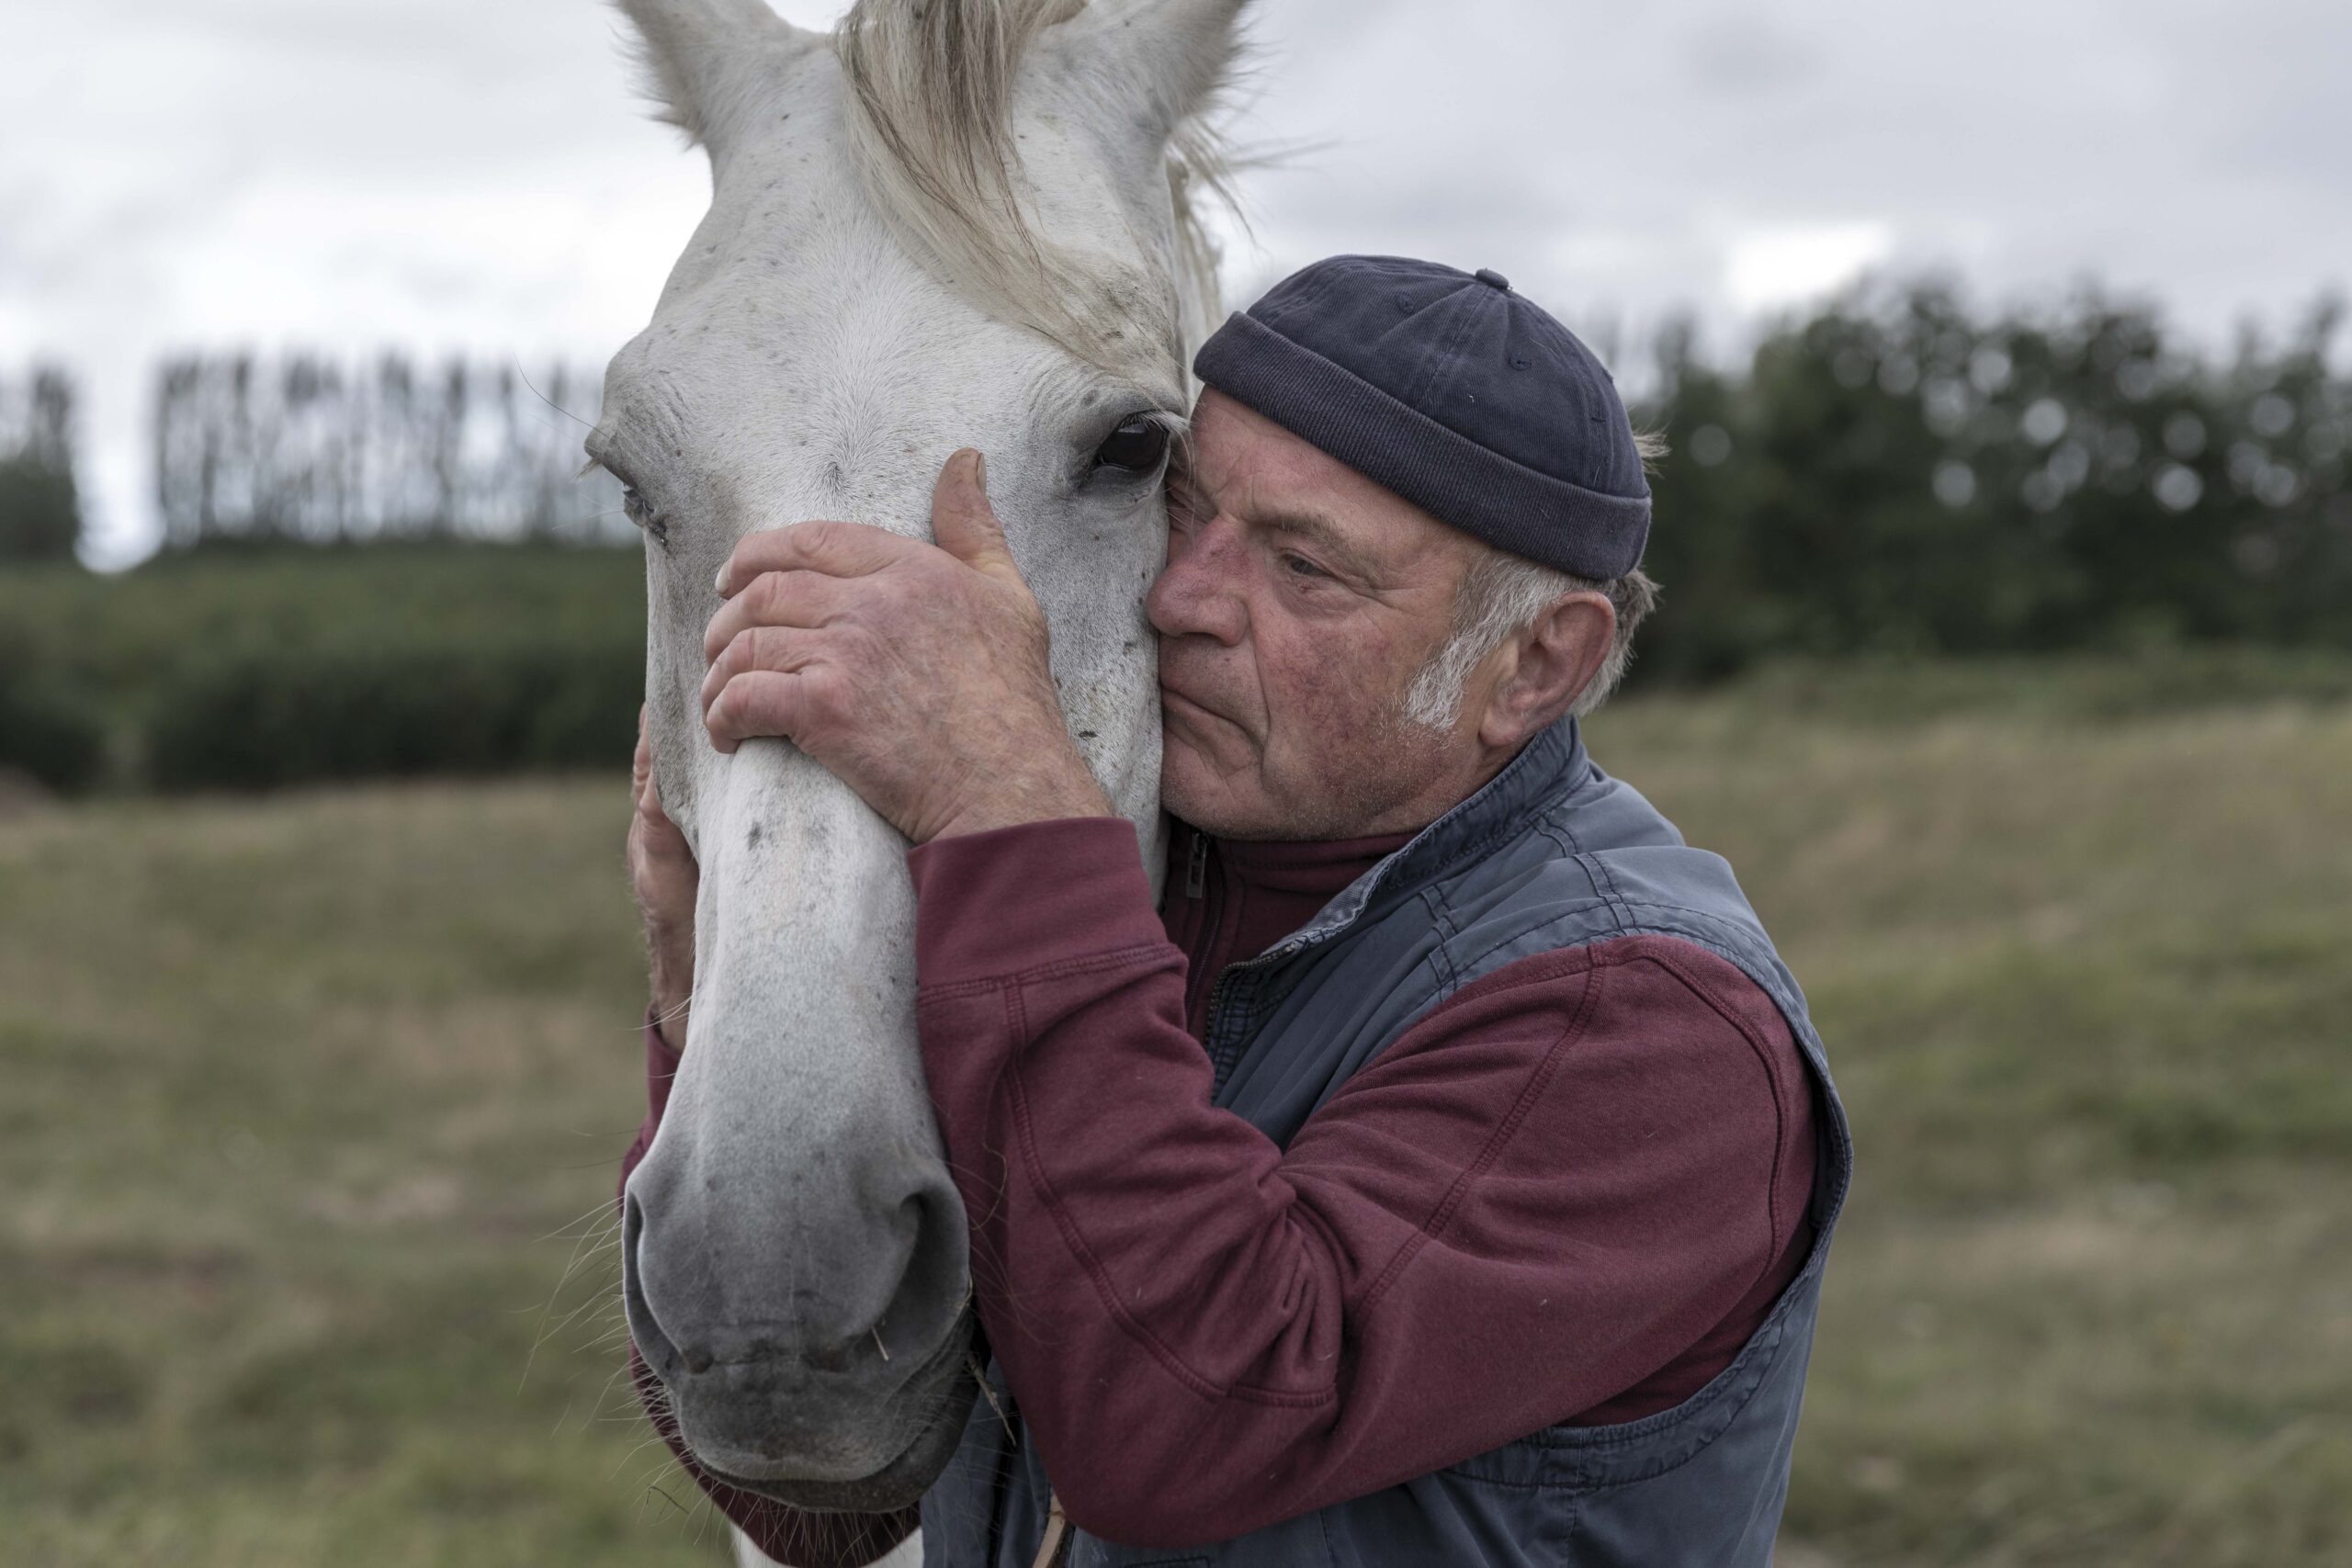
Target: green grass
pixel 294 1088
pixel 298 1096
pixel 2086 992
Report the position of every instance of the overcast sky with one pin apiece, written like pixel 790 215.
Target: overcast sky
pixel 348 175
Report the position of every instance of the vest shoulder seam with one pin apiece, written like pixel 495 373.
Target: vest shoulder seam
pixel 1621 914
pixel 1573 957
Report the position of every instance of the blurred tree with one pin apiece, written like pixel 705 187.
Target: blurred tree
pixel 303 450
pixel 40 511
pixel 1900 475
pixel 1900 472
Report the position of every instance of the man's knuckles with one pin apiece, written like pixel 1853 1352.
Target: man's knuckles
pixel 898 601
pixel 787 598
pixel 806 705
pixel 821 541
pixel 820 544
pixel 771 599
pixel 747 706
pixel 754 648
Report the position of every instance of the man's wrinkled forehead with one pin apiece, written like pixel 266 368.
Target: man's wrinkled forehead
pixel 1245 463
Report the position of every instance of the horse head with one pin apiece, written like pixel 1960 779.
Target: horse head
pixel 952 223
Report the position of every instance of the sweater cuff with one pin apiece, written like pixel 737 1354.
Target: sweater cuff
pixel 989 906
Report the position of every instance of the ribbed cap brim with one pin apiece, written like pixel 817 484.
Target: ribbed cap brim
pixel 1483 493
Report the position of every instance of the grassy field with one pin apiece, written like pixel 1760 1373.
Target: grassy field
pixel 302 1095
pixel 2087 990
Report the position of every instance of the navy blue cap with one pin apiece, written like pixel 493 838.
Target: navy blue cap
pixel 1460 396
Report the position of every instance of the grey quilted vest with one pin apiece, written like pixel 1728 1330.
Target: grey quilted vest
pixel 1552 853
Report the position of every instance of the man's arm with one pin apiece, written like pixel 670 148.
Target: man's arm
pixel 1550 1188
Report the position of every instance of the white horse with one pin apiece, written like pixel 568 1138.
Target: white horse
pixel 953 222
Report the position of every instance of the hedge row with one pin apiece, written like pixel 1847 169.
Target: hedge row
pixel 257 719
pixel 259 670
pixel 46 731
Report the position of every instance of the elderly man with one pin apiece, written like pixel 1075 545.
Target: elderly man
pixel 1442 1172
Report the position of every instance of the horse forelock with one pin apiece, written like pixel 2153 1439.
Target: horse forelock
pixel 931 130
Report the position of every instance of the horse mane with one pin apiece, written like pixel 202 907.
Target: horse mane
pixel 931 130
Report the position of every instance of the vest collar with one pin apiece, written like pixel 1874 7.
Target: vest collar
pixel 1549 767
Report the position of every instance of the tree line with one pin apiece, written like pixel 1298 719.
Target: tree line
pixel 304 449
pixel 40 514
pixel 1900 471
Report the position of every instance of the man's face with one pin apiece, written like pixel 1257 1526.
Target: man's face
pixel 1298 602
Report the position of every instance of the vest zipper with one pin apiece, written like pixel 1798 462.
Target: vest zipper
pixel 1196 866
pixel 1211 1035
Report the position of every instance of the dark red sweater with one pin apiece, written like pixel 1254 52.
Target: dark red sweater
pixel 1568 1194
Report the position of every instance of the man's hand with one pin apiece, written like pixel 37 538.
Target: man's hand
pixel 661 868
pixel 918 673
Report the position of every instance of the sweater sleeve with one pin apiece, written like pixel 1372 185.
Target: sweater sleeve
pixel 1537 1198
pixel 787 1535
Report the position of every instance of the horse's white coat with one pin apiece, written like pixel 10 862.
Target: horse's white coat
pixel 793 1221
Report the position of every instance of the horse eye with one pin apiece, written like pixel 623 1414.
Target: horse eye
pixel 1139 446
pixel 644 516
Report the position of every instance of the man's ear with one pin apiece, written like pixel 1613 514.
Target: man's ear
pixel 1547 667
pixel 704 64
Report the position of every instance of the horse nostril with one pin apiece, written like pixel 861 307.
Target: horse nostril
pixel 929 1297
pixel 659 1353
pixel 698 1357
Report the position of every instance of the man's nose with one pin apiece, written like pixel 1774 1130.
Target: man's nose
pixel 1198 592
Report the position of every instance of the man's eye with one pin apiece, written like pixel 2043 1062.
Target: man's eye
pixel 1139 446
pixel 1299 566
pixel 643 515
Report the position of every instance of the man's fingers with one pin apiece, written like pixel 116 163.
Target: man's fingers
pixel 799 598
pixel 779 650
pixel 963 522
pixel 756 702
pixel 837 549
pixel 644 789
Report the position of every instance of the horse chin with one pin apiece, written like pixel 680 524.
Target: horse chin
pixel 899 1483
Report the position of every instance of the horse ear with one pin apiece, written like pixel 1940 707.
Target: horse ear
pixel 1176 51
pixel 705 61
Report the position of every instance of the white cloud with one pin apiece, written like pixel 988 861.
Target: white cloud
pixel 1772 268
